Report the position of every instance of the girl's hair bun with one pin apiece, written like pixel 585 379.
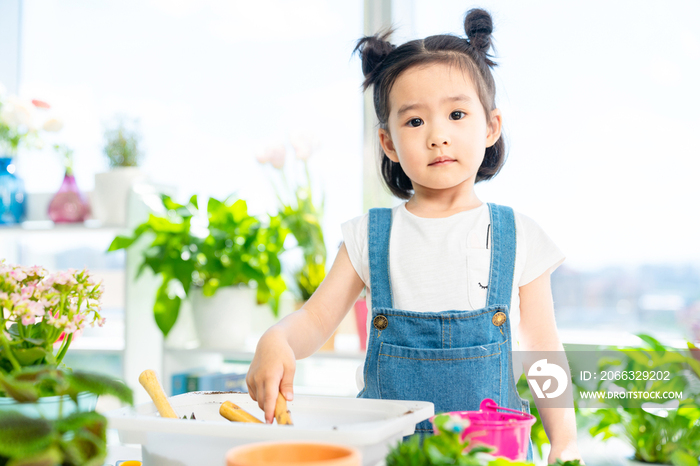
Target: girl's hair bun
pixel 373 50
pixel 478 26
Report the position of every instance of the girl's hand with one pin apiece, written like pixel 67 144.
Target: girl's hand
pixel 565 453
pixel 271 372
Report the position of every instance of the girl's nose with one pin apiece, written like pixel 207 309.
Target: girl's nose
pixel 438 139
pixel 438 136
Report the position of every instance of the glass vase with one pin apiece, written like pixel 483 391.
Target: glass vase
pixel 11 193
pixel 68 205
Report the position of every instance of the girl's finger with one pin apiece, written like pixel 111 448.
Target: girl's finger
pixel 270 394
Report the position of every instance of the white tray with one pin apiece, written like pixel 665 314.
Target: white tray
pixel 372 426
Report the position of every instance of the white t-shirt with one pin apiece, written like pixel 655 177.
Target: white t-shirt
pixel 441 264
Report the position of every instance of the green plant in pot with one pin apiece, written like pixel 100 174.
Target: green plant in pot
pixel 200 254
pixel 122 149
pixel 298 211
pixel 667 431
pixel 46 409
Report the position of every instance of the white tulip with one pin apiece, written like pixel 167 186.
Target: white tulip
pixel 53 125
pixel 261 156
pixel 276 155
pixel 304 145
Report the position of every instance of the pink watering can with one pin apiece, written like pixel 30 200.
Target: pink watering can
pixel 507 430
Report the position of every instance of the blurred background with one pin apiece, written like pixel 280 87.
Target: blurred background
pixel 600 113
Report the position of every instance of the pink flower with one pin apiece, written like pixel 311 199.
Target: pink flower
pixel 28 319
pixel 36 308
pixel 102 321
pixel 3 296
pixel 40 104
pixel 18 275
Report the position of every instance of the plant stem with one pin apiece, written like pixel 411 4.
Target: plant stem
pixel 64 348
pixel 8 350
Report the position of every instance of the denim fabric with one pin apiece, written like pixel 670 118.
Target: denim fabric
pixel 455 358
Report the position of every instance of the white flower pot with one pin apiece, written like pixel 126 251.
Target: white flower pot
pixel 223 321
pixel 109 199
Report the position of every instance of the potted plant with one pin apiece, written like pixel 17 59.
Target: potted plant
pixel 122 148
pixel 666 432
pixel 46 410
pixel 19 127
pixel 223 251
pixel 299 214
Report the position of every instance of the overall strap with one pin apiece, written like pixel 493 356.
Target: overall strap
pixel 378 234
pixel 502 255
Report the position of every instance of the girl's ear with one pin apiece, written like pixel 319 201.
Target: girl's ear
pixel 388 145
pixel 494 127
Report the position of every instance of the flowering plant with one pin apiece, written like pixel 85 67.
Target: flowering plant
pixel 20 123
pixel 299 214
pixel 42 313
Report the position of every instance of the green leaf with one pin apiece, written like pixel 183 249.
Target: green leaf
pixel 100 385
pixel 87 444
pixel 652 342
pixel 682 458
pixel 166 309
pixel 49 457
pixel 30 356
pixel 21 435
pixel 193 201
pixel 23 392
pixel 121 242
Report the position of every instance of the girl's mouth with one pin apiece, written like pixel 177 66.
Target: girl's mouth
pixel 441 161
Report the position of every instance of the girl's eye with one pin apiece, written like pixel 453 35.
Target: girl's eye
pixel 413 122
pixel 457 115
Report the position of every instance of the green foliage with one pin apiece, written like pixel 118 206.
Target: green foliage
pixel 304 222
pixel 447 448
pixel 122 144
pixel 31 383
pixel 75 440
pixel 238 249
pixel 669 436
pixel 442 449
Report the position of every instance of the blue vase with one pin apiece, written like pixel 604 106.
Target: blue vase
pixel 11 193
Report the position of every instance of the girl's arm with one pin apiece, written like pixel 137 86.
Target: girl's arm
pixel 300 334
pixel 538 332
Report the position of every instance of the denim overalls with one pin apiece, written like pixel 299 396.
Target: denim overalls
pixel 454 359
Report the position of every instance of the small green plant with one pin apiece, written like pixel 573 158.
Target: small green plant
pixel 447 448
pixel 300 214
pixel 666 436
pixel 230 247
pixel 78 439
pixel 442 449
pixel 122 144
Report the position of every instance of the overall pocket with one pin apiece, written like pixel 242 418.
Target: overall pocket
pixel 454 379
pixel 478 273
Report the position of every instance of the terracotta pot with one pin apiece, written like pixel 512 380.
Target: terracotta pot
pixel 293 453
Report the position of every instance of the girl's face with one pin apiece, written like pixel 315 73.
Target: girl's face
pixel 437 129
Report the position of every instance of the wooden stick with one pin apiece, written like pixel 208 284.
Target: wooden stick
pixel 235 413
pixel 149 381
pixel 282 414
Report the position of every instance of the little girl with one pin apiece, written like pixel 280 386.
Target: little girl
pixel 453 283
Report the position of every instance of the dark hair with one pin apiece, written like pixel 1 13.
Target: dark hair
pixel 383 62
